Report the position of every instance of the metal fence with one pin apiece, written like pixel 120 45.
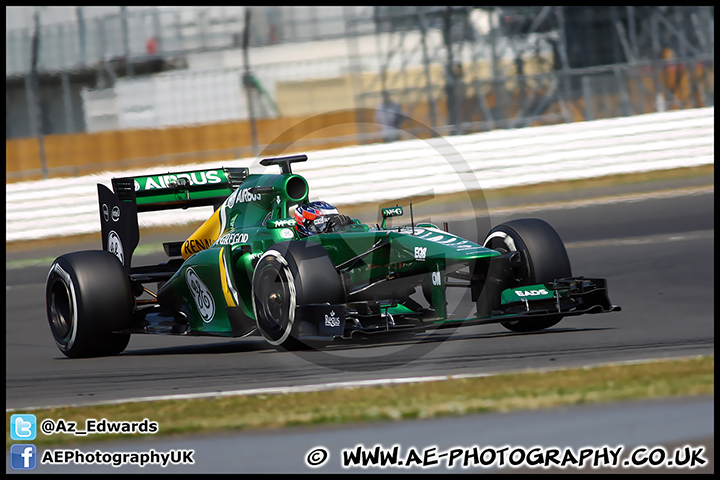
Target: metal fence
pixel 507 67
pixel 79 37
pixel 54 54
pixel 449 70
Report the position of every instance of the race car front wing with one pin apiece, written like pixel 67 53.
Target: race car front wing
pixel 567 297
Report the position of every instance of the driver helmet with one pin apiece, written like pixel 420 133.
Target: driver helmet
pixel 311 218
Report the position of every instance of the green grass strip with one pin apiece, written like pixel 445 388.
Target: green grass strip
pixel 500 393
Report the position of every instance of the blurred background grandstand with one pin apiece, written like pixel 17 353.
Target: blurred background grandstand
pixel 109 88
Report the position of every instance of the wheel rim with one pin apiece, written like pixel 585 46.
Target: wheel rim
pixel 506 244
pixel 61 310
pixel 273 299
pixel 502 245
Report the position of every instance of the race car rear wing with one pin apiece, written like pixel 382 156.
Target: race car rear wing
pixel 179 190
pixel 119 207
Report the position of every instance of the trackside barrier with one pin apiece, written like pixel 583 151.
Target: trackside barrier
pixel 385 172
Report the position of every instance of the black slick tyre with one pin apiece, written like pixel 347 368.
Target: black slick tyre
pixel 287 275
pixel 88 297
pixel 543 255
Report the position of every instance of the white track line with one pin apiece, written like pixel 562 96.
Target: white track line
pixel 344 385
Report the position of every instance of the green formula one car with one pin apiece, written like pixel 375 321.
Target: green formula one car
pixel 253 268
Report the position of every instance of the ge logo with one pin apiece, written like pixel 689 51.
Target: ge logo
pixel 201 294
pixel 436 278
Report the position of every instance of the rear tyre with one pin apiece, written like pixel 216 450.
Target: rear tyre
pixel 88 297
pixel 287 275
pixel 544 259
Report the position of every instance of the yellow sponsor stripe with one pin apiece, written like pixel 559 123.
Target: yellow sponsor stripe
pixel 224 280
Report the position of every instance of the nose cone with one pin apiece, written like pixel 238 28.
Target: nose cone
pixel 430 244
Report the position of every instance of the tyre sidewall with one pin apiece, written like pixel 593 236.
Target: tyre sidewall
pixel 544 259
pixel 273 261
pixel 544 255
pixel 99 301
pixel 312 279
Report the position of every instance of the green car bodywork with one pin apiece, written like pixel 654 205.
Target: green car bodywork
pixel 210 284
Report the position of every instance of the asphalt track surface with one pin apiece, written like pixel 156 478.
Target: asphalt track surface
pixel 656 250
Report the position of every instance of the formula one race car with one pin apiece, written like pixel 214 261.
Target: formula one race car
pixel 249 270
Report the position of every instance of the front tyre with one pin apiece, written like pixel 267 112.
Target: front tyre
pixel 543 255
pixel 88 297
pixel 287 275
